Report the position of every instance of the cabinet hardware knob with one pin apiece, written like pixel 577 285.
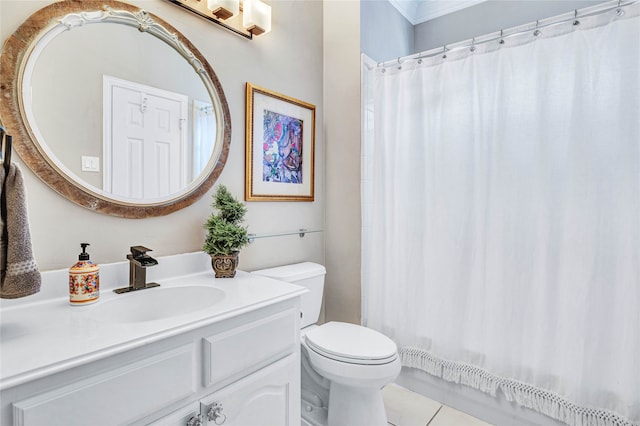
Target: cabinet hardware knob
pixel 195 420
pixel 215 414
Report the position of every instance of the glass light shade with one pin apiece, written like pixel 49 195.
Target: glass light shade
pixel 224 9
pixel 256 17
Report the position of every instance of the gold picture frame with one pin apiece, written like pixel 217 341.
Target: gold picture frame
pixel 280 147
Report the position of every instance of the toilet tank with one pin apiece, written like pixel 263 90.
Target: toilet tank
pixel 306 274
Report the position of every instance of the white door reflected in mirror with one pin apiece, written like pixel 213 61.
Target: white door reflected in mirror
pixel 147 153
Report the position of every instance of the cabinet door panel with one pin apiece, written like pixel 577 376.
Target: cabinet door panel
pixel 117 397
pixel 263 398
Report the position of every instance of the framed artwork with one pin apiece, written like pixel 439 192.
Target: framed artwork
pixel 280 147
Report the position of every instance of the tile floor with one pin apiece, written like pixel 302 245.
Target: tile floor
pixel 407 408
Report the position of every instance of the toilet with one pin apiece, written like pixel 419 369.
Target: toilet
pixel 344 366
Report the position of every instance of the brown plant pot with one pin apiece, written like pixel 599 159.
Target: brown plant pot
pixel 225 266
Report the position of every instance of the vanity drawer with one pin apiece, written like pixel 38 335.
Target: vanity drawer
pixel 236 353
pixel 117 397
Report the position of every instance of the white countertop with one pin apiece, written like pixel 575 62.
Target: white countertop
pixel 46 334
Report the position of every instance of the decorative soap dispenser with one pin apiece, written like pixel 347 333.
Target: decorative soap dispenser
pixel 84 280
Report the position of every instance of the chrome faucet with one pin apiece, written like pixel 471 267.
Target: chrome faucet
pixel 139 261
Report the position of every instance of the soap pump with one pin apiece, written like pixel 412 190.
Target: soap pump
pixel 84 280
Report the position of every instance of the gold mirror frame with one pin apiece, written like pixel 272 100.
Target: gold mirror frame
pixel 13 59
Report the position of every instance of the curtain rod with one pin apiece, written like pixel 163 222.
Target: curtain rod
pixel 472 43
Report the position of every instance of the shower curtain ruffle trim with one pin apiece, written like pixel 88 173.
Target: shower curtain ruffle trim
pixel 537 399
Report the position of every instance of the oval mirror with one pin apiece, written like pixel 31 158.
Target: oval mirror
pixel 113 108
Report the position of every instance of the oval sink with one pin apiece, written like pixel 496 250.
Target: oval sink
pixel 156 304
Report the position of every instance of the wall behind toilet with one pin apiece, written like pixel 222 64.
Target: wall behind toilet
pixel 289 60
pixel 342 131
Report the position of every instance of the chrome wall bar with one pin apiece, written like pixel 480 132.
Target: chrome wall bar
pixel 300 232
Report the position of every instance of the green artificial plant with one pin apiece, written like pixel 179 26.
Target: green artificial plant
pixel 225 236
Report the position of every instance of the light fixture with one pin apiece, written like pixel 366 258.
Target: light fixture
pixel 247 18
pixel 224 9
pixel 256 17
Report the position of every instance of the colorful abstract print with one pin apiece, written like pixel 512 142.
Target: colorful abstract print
pixel 282 148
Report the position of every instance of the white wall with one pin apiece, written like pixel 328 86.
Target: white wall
pixel 288 60
pixel 342 130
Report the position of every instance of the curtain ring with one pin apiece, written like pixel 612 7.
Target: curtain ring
pixel 537 31
pixel 501 37
pixel 575 17
pixel 444 52
pixel 473 45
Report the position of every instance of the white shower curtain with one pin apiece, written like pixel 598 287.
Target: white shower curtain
pixel 501 217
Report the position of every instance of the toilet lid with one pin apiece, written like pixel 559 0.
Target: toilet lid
pixel 351 343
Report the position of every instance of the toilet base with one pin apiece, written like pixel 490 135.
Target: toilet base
pixel 331 402
pixel 315 394
pixel 313 414
pixel 355 406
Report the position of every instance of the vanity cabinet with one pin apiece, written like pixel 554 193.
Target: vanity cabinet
pixel 246 368
pixel 262 398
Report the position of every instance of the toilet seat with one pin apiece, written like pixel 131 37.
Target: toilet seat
pixel 351 343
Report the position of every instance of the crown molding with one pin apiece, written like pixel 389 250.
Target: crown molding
pixel 407 8
pixel 419 11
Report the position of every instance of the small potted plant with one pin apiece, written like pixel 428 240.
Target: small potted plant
pixel 225 237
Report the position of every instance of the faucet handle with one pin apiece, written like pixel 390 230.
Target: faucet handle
pixel 139 251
